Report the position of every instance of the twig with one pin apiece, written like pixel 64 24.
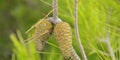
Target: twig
pixel 108 37
pixel 76 29
pixel 55 9
pixel 74 55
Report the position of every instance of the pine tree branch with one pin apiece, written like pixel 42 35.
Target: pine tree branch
pixel 55 18
pixel 55 9
pixel 76 29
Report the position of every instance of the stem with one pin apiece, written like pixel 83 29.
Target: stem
pixel 76 29
pixel 74 55
pixel 55 9
pixel 108 37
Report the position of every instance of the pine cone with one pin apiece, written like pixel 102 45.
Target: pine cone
pixel 43 30
pixel 63 35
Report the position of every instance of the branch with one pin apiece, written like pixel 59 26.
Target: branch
pixel 55 9
pixel 76 29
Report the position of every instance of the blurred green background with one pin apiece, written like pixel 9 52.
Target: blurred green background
pixel 18 14
pixel 22 14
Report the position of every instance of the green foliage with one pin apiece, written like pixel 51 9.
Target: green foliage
pixel 21 50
